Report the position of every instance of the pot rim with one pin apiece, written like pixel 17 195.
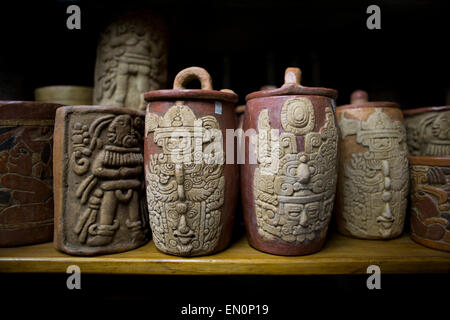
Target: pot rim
pixel 412 112
pixel 430 160
pixel 292 86
pixel 190 94
pixel 28 110
pixel 103 109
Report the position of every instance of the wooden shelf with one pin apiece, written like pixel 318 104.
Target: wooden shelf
pixel 341 255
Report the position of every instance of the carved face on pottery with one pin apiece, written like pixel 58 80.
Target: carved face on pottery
pixel 375 181
pixel 294 191
pixel 121 132
pixel 185 191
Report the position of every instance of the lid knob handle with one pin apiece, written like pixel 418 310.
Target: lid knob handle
pixel 187 75
pixel 292 76
pixel 359 96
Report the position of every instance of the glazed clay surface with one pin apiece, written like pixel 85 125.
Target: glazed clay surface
pixel 428 131
pixel 26 177
pixel 131 59
pixel 430 203
pixel 288 194
pixel 191 192
pixel 99 203
pixel 373 171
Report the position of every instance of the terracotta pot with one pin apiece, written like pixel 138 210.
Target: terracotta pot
pixel 288 190
pixel 99 188
pixel 428 131
pixel 131 60
pixel 26 179
pixel 373 169
pixel 430 203
pixel 191 193
pixel 240 110
pixel 68 95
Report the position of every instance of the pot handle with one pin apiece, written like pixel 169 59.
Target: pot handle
pixel 189 74
pixel 292 77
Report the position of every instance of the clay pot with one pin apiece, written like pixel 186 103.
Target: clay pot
pixel 373 169
pixel 131 60
pixel 26 179
pixel 68 95
pixel 428 131
pixel 191 193
pixel 99 187
pixel 240 110
pixel 288 190
pixel 430 205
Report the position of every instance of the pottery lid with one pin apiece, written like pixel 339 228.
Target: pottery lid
pixel 179 92
pixel 413 112
pixel 292 86
pixel 360 99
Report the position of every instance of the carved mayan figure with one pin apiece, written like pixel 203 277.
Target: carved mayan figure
pixel 191 192
pixel 288 194
pixel 131 59
pixel 430 203
pixel 294 191
pixel 428 131
pixel 100 207
pixel 372 196
pixel 26 177
pixel 185 195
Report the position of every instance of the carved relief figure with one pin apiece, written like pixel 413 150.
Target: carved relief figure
pixel 294 191
pixel 131 60
pixel 376 181
pixel 429 134
pixel 430 205
pixel 111 165
pixel 185 182
pixel 26 193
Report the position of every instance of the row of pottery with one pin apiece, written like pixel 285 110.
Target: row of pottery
pixel 102 154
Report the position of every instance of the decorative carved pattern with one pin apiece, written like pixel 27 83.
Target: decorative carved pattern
pixel 376 181
pixel 108 157
pixel 297 116
pixel 430 205
pixel 429 134
pixel 26 193
pixel 131 60
pixel 294 191
pixel 185 183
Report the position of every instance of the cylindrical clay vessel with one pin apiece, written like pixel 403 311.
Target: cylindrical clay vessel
pixel 98 180
pixel 26 177
pixel 373 169
pixel 191 192
pixel 68 95
pixel 428 131
pixel 288 182
pixel 430 202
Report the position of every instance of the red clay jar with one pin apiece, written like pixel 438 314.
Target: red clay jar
pixel 430 202
pixel 191 193
pixel 26 177
pixel 288 190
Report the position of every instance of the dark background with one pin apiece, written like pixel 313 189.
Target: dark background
pixel 244 45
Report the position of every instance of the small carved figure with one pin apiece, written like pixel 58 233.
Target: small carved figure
pixel 131 60
pixel 106 154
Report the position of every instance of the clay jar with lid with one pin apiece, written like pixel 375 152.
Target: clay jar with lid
pixel 428 131
pixel 191 190
pixel 430 203
pixel 26 177
pixel 373 169
pixel 288 181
